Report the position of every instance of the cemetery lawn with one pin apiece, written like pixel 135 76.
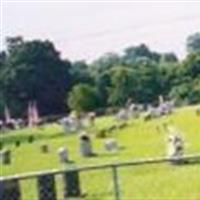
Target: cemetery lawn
pixel 138 140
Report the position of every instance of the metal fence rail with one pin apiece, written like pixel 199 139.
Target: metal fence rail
pixel 62 184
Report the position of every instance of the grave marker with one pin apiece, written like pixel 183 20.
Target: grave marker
pixel 85 145
pixel 63 155
pixel 44 148
pixel 5 157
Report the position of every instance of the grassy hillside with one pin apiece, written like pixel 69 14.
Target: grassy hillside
pixel 138 140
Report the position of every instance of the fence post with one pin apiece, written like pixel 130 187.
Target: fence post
pixel 71 184
pixel 10 190
pixel 46 187
pixel 116 182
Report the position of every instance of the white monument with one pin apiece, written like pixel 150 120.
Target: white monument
pixel 175 147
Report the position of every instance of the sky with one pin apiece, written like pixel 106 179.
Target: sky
pixel 84 30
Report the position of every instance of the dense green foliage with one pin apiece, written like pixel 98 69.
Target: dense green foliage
pixel 82 98
pixel 34 70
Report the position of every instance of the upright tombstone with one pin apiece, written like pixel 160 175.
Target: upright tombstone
pixel 17 143
pixel 10 190
pixel 46 187
pixel 111 145
pixel 5 157
pixel 31 139
pixel 63 155
pixel 91 118
pixel 122 115
pixel 85 145
pixel 44 148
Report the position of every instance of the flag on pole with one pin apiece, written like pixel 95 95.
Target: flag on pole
pixel 30 114
pixel 35 114
pixel 7 115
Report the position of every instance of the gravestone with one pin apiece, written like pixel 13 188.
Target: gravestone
pixel 44 148
pixel 10 190
pixel 63 155
pixel 17 143
pixel 46 187
pixel 5 156
pixel 85 145
pixel 91 118
pixel 71 184
pixel 111 145
pixel 31 139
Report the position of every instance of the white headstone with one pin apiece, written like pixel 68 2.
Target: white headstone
pixel 63 155
pixel 111 145
pixel 85 145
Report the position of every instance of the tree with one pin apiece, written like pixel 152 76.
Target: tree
pixel 121 85
pixel 191 65
pixel 35 71
pixel 169 58
pixel 82 98
pixel 193 43
pixel 79 72
pixel 135 53
pixel 104 63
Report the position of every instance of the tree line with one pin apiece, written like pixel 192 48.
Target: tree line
pixel 34 70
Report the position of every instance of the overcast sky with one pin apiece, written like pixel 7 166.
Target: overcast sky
pixel 87 30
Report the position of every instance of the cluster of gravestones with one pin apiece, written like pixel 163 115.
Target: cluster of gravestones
pixel 130 111
pixel 6 155
pixel 162 109
pixel 74 123
pixel 13 124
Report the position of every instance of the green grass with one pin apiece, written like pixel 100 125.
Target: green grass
pixel 139 140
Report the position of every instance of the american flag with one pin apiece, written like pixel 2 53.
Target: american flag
pixel 30 115
pixel 33 115
pixel 7 114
